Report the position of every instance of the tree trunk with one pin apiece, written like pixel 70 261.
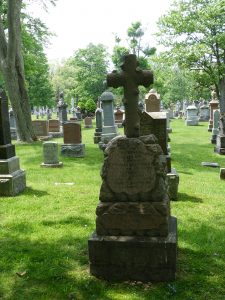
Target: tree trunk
pixel 12 67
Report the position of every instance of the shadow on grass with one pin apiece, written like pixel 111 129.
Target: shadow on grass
pixel 187 198
pixel 38 193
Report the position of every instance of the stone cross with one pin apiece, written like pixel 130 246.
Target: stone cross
pixel 7 150
pixel 130 78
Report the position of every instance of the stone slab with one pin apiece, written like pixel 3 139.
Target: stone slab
pixel 210 164
pixel 57 165
pixel 7 151
pixel 9 166
pixel 12 184
pixel 73 150
pixel 143 259
pixel 173 183
pixel 133 218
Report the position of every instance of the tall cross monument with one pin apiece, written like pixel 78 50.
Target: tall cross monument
pixel 130 78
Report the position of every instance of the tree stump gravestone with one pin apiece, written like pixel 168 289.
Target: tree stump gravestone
pixel 135 238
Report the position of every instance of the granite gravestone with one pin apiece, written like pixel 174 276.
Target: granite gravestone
pixel 88 122
pixel 12 122
pixel 12 178
pixel 62 108
pixel 135 236
pixel 98 129
pixel 220 139
pixel 192 115
pixel 54 128
pixel 215 130
pixel 109 129
pixel 204 112
pixel 40 128
pixel 50 154
pixel 213 104
pixel 118 116
pixel 72 146
pixel 152 101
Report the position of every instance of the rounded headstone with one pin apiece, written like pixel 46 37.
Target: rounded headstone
pixel 50 153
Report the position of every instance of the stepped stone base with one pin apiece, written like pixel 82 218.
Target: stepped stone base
pixel 97 137
pixel 12 184
pixel 120 258
pixel 220 144
pixel 73 150
pixel 173 183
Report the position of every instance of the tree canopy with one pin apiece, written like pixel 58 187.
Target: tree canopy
pixel 194 33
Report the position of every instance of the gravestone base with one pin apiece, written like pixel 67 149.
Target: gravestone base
pixel 213 139
pixel 88 126
pixel 210 127
pixel 169 130
pixel 56 134
pixel 173 183
pixel 73 150
pixel 192 122
pixel 222 173
pixel 7 151
pixel 12 184
pixel 57 165
pixel 9 166
pixel 97 137
pixel 13 133
pixel 220 144
pixel 121 258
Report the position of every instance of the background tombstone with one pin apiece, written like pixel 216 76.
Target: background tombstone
pixel 204 113
pixel 88 122
pixel 135 236
pixel 185 105
pixel 98 129
pixel 152 101
pixel 12 178
pixel 40 128
pixel 118 114
pixel 109 129
pixel 72 146
pixel 192 116
pixel 213 104
pixel 220 139
pixel 50 154
pixel 12 122
pixel 215 130
pixel 62 107
pixel 54 128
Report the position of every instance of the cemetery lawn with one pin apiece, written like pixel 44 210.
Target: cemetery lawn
pixel 44 231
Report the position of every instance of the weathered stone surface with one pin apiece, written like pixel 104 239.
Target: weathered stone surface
pixel 130 77
pixel 8 166
pixel 134 258
pixel 7 151
pixel 88 122
pixel 40 127
pixel 132 171
pixel 213 104
pixel 73 150
pixel 152 101
pixel 50 154
pixel 192 116
pixel 215 129
pixel 133 218
pixel 54 126
pixel 220 144
pixel 173 183
pixel 12 184
pixel 72 133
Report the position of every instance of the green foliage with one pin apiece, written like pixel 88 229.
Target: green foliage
pixel 135 33
pixel 82 74
pixel 45 230
pixel 193 31
pixel 90 106
pixel 174 83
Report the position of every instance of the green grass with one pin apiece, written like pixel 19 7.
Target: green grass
pixel 44 231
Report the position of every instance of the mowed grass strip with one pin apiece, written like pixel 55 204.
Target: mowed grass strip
pixel 44 230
